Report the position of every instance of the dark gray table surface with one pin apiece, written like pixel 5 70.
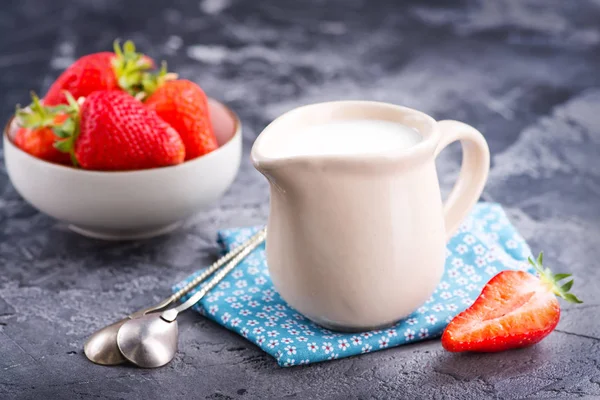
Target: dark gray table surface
pixel 526 73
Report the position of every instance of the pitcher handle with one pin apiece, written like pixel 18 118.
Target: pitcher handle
pixel 473 171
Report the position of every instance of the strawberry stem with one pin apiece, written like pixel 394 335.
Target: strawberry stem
pixel 553 280
pixel 130 67
pixel 69 130
pixel 38 116
pixel 152 81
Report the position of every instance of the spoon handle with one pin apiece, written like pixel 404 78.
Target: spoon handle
pixel 194 282
pixel 170 314
pixel 215 266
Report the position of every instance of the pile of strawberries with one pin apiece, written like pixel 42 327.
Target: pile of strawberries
pixel 114 111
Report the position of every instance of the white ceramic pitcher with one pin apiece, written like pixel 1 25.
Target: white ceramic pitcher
pixel 358 241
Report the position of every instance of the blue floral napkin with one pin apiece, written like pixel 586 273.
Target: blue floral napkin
pixel 247 303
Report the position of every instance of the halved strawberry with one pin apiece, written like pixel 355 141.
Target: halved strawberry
pixel 515 309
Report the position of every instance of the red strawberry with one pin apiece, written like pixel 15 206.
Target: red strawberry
pixel 184 106
pixel 117 132
pixel 88 74
pixel 515 309
pixel 124 69
pixel 35 135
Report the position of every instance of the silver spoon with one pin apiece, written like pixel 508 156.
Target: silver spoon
pixel 151 341
pixel 101 347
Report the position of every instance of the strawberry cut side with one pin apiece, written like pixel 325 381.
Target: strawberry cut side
pixel 515 309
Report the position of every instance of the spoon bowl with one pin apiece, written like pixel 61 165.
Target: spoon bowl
pixel 149 341
pixel 102 347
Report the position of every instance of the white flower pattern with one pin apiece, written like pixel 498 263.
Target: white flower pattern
pixel 327 347
pixel 343 344
pixel 384 342
pixel 246 302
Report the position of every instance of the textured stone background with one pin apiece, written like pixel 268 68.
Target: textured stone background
pixel 526 73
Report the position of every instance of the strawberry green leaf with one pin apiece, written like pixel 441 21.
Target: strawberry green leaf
pixel 36 115
pixel 552 280
pixel 130 67
pixel 73 104
pixel 69 129
pixel 61 132
pixel 65 130
pixel 63 120
pixel 559 277
pixel 567 286
pixel 153 80
pixel 62 145
pixel 129 47
pixel 117 48
pixel 570 297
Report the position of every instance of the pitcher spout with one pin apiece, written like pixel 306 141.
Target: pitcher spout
pixel 280 172
pixel 281 168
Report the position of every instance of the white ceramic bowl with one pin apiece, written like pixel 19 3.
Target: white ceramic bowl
pixel 131 204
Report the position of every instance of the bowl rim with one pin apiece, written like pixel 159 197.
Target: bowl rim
pixel 237 132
